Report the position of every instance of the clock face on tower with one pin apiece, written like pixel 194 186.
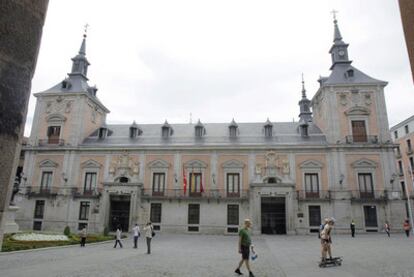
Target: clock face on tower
pixel 341 53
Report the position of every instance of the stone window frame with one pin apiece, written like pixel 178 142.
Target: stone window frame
pixel 227 215
pixel 90 166
pixel 57 120
pixel 358 113
pixel 358 118
pixel 196 166
pixel 88 211
pixel 158 166
pixel 312 167
pixel 47 166
pixel 365 166
pixel 233 166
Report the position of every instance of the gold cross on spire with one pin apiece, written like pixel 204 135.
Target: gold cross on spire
pixel 334 12
pixel 85 29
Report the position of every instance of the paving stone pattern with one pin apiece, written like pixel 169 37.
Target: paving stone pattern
pixel 201 255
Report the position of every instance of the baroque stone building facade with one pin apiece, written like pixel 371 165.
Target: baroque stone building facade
pixel 337 160
pixel 403 135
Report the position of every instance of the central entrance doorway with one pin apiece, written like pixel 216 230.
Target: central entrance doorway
pixel 119 215
pixel 273 215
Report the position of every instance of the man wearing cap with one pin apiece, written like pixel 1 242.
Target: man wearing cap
pixel 326 239
pixel 244 246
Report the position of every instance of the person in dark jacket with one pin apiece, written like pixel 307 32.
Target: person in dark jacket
pixel 352 226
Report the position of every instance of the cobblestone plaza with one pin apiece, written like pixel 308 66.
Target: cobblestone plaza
pixel 204 255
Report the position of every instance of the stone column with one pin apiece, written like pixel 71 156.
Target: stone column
pixel 21 24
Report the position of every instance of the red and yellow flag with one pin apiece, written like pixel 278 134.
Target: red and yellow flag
pixel 201 183
pixel 185 182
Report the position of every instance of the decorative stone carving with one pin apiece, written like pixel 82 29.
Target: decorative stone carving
pixel 275 165
pixel 355 97
pixel 68 107
pixel 368 99
pixel 124 166
pixel 48 107
pixel 343 99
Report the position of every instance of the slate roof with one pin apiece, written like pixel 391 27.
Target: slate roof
pixel 217 134
pixel 340 76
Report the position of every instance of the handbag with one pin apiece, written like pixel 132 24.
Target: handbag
pixel 153 234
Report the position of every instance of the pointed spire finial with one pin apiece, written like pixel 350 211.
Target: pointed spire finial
pixel 337 33
pixel 303 87
pixel 334 12
pixel 85 30
pixel 82 50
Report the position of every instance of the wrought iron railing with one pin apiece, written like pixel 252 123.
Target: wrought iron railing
pixel 32 191
pixel 369 195
pixel 180 194
pixel 313 195
pixel 361 139
pixel 82 192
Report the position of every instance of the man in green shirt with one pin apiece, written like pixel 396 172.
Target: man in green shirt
pixel 245 242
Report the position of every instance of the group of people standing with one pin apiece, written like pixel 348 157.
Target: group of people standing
pixel 149 234
pixel 387 228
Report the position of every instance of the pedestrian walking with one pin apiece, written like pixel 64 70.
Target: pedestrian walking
pixel 387 228
pixel 149 233
pixel 136 233
pixel 245 243
pixel 118 237
pixel 352 226
pixel 83 235
pixel 407 227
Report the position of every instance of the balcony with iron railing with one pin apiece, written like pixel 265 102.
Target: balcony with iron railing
pixel 39 191
pixel 86 193
pixel 374 195
pixel 321 195
pixel 51 142
pixel 358 139
pixel 409 151
pixel 207 194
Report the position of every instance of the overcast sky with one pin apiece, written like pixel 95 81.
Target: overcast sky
pixel 218 60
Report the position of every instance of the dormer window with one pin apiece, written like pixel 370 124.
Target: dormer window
pixel 268 129
pixel 233 131
pixel 350 73
pixel 134 131
pixel 103 132
pixel 199 129
pixel 66 84
pixel 166 130
pixel 92 90
pixel 233 128
pixel 304 130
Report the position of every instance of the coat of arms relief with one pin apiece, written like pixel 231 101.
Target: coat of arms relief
pixel 124 166
pixel 274 166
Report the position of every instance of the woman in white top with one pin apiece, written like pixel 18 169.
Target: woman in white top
pixel 118 237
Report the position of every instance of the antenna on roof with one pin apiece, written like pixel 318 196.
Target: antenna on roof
pixel 293 119
pixel 191 118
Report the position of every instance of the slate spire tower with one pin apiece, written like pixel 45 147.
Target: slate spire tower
pixel 80 62
pixel 305 114
pixel 339 49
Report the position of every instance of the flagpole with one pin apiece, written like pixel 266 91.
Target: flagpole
pixel 410 212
